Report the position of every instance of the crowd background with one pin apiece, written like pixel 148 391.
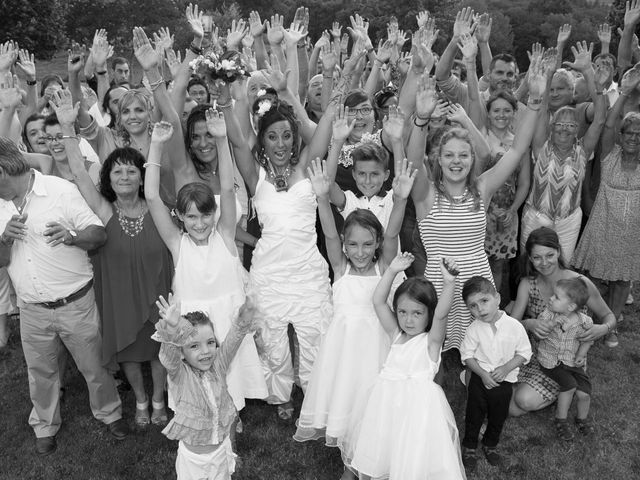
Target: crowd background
pixel 256 448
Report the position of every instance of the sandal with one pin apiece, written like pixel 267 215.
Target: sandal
pixel 142 414
pixel 159 417
pixel 285 412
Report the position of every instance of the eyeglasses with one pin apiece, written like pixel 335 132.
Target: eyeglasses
pixel 567 126
pixel 48 138
pixel 364 111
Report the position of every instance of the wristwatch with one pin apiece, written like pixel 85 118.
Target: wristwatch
pixel 74 235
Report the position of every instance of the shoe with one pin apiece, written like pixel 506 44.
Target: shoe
pixel 629 300
pixel 119 429
pixel 611 340
pixel 469 458
pixel 46 445
pixel 563 431
pixel 142 417
pixel 584 426
pixel 159 417
pixel 239 426
pixel 285 412
pixel 492 455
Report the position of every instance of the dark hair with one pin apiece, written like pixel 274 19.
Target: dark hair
pixel 370 151
pixel 115 61
pixel 34 117
pixel 420 290
pixel 383 95
pixel 199 81
pixel 49 79
pixel 197 193
pixel 463 135
pixel 197 114
pixel 576 289
pixel 12 161
pixel 504 95
pixel 477 284
pixel 51 119
pixel 610 56
pixel 505 57
pixel 122 156
pixel 107 108
pixel 200 318
pixel 356 97
pixel 367 220
pixel 279 111
pixel 543 237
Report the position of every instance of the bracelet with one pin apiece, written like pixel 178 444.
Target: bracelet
pixel 155 164
pixel 104 72
pixel 31 83
pixel 225 105
pixel 415 122
pixel 154 86
pixel 195 49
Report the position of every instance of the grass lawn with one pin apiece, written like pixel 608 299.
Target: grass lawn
pixel 267 451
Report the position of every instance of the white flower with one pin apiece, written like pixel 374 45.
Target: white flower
pixel 263 107
pixel 261 92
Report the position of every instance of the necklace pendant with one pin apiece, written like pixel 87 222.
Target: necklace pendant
pixel 281 183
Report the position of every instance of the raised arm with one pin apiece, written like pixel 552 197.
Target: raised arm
pixel 628 85
pixel 322 185
pixel 631 19
pixel 604 35
pixel 564 32
pixel 342 128
pixel 385 315
pixel 257 28
pixel 167 229
pixel 173 331
pixel 481 148
pixel 482 35
pixel 476 108
pixel 10 99
pixel 26 68
pixel 449 271
pixel 67 114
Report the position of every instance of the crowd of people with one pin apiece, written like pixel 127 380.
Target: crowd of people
pixel 271 212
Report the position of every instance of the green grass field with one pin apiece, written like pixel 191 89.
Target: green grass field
pixel 86 450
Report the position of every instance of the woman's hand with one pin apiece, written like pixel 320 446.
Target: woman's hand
pixel 11 97
pixel 455 113
pixel 426 97
pixel 630 81
pixel 26 65
pixel 594 333
pixel 539 328
pixel 385 48
pixel 169 311
pixel 62 104
pixel 563 33
pixel 401 262
pixel 256 26
pixel 162 132
pixel 274 75
pixel 320 182
pixel 537 81
pixel 236 33
pixel 342 128
pixel 215 124
pixel 194 19
pixel 483 28
pixel 275 30
pixel 329 58
pixel 143 50
pixel 294 34
pixel 174 61
pixel 403 181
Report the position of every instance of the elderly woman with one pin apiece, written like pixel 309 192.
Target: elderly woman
pixel 608 247
pixel 559 163
pixel 545 266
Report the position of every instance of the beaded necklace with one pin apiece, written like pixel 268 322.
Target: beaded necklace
pixel 131 226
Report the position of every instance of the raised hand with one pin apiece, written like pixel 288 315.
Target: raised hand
pixel 75 60
pixel 463 22
pixel 100 50
pixel 604 33
pixel 274 75
pixel 404 63
pixel 429 33
pixel 162 132
pixel 256 27
pixel 392 30
pixel 215 123
pixel 62 103
pixel 194 18
pixel 630 81
pixel 401 262
pixel 483 28
pixel 393 124
pixel 26 65
pixel 344 43
pixel 403 181
pixel 174 61
pixel 247 315
pixel 8 55
pixel 449 269
pixel 385 49
pixel 247 41
pixel 422 18
pixel 236 33
pixel 320 182
pixel 426 97
pixel 301 19
pixel 329 59
pixel 581 56
pixel 563 33
pixel 455 113
pixel 169 311
pixel 632 13
pixel 359 29
pixel 163 40
pixel 402 39
pixel 537 80
pixel 11 97
pixel 294 34
pixel 275 30
pixel 536 53
pixel 143 50
pixel 325 39
pixel 549 61
pixel 342 128
pixel 468 45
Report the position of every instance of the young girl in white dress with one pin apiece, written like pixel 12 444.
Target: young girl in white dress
pixel 355 345
pixel 402 428
pixel 208 275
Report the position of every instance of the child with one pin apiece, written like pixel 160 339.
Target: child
pixel 208 273
pixel 355 345
pixel 494 347
pixel 204 411
pixel 402 428
pixel 563 357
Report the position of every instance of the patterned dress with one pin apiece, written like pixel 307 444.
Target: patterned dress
pixel 609 246
pixel 455 229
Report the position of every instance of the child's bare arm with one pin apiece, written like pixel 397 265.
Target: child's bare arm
pixel 240 327
pixel 581 355
pixel 473 365
pixel 173 331
pixel 385 315
pixel 501 372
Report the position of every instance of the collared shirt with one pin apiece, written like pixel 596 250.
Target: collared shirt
pixel 562 343
pixel 380 206
pixel 492 349
pixel 40 272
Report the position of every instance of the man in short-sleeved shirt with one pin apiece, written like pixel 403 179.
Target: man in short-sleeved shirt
pixel 47 229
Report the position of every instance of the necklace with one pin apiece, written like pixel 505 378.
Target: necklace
pixel 280 180
pixel 23 203
pixel 131 226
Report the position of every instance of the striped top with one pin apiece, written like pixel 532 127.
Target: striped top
pixel 455 229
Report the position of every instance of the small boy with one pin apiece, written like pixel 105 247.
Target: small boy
pixel 494 347
pixel 563 357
